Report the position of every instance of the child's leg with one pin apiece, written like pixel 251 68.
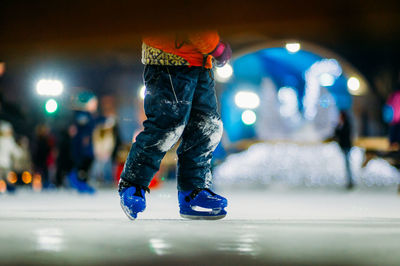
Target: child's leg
pixel 201 136
pixel 167 107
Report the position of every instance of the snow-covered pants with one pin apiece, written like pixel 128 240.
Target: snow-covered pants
pixel 180 102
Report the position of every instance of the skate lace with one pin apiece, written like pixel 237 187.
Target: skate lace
pixel 196 191
pixel 124 184
pixel 139 189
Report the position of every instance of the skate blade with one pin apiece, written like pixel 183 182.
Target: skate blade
pixel 200 217
pixel 126 211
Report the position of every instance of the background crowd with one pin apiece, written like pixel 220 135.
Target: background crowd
pixel 85 143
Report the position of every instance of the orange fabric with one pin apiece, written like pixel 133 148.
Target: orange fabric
pixel 192 47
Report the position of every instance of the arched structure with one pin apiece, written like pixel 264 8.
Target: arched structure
pixel 300 91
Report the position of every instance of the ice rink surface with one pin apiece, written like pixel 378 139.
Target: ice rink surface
pixel 276 226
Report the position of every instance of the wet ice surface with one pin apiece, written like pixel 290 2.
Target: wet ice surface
pixel 268 226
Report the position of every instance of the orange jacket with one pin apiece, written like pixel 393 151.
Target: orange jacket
pixel 193 47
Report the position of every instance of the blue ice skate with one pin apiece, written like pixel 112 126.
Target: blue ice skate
pixel 133 199
pixel 80 186
pixel 202 204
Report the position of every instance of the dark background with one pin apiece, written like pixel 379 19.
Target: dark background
pixel 97 43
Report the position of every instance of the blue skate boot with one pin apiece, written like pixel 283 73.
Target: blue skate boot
pixel 79 185
pixel 201 204
pixel 132 198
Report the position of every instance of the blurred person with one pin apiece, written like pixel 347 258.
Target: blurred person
pixel 392 117
pixel 109 113
pixel 9 150
pixel 41 153
pixel 12 111
pixel 180 102
pixel 343 136
pixel 85 121
pixel 64 160
pixel 122 154
pixel 104 143
pixel 23 162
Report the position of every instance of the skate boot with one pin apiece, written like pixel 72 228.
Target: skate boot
pixel 201 204
pixel 132 198
pixel 79 185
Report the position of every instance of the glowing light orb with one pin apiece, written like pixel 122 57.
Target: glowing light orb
pixel 12 177
pixel 353 84
pixel 293 47
pixel 223 74
pixel 49 87
pixel 26 177
pixel 3 186
pixel 249 117
pixel 247 100
pixel 51 106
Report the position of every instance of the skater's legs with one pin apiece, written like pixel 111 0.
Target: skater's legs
pixel 349 175
pixel 201 136
pixel 83 168
pixel 169 93
pixel 108 176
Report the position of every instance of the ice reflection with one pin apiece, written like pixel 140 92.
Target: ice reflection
pixel 159 246
pixel 49 239
pixel 244 245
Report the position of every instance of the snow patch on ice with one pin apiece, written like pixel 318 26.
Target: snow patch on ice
pixel 379 172
pixel 310 165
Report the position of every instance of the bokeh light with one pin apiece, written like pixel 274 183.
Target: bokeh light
pixel 247 100
pixel 353 84
pixel 293 47
pixel 26 177
pixel 3 186
pixel 37 182
pixel 223 74
pixel 51 106
pixel 249 117
pixel 12 177
pixel 49 87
